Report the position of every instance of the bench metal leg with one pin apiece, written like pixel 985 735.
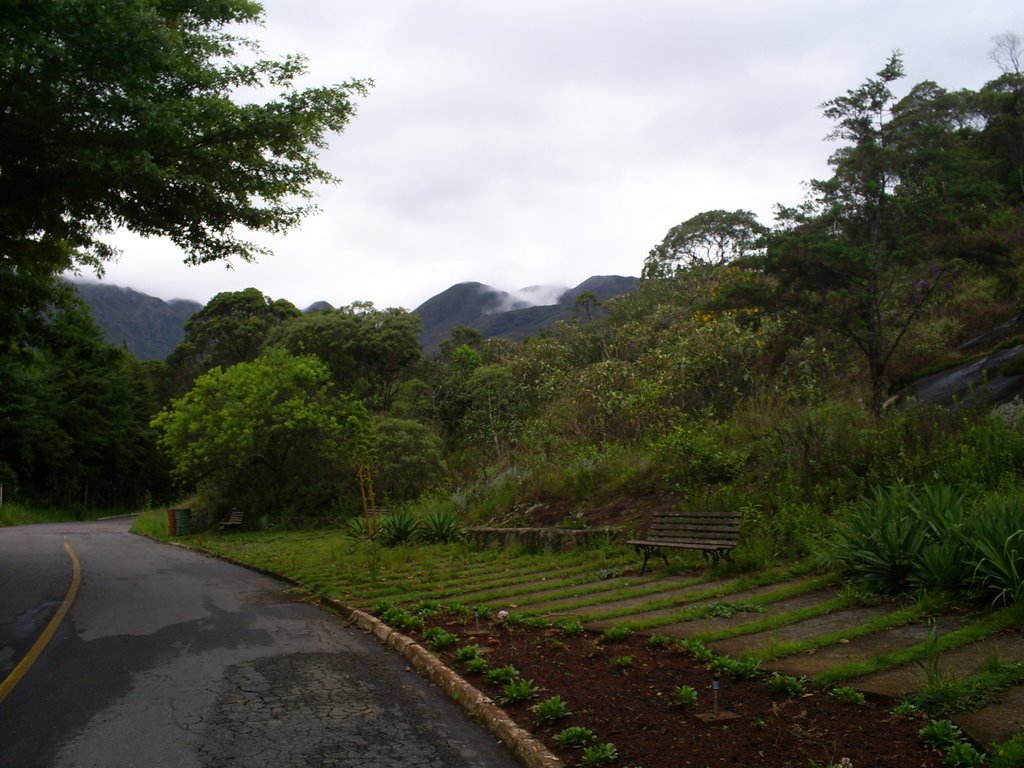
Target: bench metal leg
pixel 647 552
pixel 717 555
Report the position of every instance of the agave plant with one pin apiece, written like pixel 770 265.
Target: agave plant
pixel 399 527
pixel 882 540
pixel 441 526
pixel 996 538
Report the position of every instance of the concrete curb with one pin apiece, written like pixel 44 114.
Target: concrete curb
pixel 530 752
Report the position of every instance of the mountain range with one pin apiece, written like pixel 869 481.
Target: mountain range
pixel 150 328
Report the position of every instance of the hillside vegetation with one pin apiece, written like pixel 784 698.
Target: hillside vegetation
pixel 749 371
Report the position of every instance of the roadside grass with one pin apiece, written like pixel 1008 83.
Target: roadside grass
pixel 152 523
pixel 15 513
pixel 363 573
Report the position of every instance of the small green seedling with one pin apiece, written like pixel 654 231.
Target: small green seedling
pixel 848 695
pixel 599 754
pixel 502 675
pixel 574 736
pixel 518 690
pixel 617 634
pixel 685 696
pixel 550 710
pixel 786 684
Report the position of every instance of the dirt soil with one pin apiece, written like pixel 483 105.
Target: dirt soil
pixel 631 706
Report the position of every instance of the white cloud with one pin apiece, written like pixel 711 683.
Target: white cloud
pixel 545 141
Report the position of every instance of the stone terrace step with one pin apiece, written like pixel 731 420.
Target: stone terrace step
pixel 846 618
pixel 863 648
pixel 697 627
pixel 959 662
pixel 668 613
pixel 675 587
pixel 998 722
pixel 665 588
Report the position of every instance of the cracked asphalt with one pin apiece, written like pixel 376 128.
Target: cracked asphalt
pixel 168 658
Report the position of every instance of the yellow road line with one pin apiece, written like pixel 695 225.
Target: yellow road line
pixel 37 648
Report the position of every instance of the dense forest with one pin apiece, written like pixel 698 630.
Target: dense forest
pixel 755 369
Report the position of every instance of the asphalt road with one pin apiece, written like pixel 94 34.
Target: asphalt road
pixel 168 658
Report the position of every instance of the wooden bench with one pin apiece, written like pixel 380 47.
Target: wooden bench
pixel 233 520
pixel 714 534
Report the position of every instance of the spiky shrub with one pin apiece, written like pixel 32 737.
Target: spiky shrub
pixel 355 528
pixel 880 540
pixel 941 566
pixel 574 736
pixel 441 526
pixel 399 527
pixel 996 540
pixel 550 710
pixel 478 665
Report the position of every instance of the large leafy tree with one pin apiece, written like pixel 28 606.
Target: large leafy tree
pixel 74 413
pixel 232 328
pixel 709 239
pixel 270 435
pixel 369 351
pixel 910 200
pixel 132 113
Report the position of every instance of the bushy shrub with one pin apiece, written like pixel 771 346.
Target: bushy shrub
pixel 695 453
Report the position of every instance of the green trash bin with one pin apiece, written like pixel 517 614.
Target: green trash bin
pixel 183 521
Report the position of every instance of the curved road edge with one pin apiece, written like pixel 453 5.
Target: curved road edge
pixel 22 667
pixel 530 752
pixel 526 749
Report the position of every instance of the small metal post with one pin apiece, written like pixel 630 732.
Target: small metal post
pixel 715 685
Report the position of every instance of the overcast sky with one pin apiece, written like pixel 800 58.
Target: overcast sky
pixel 545 141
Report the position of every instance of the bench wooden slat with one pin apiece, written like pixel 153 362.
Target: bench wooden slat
pixel 714 534
pixel 235 518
